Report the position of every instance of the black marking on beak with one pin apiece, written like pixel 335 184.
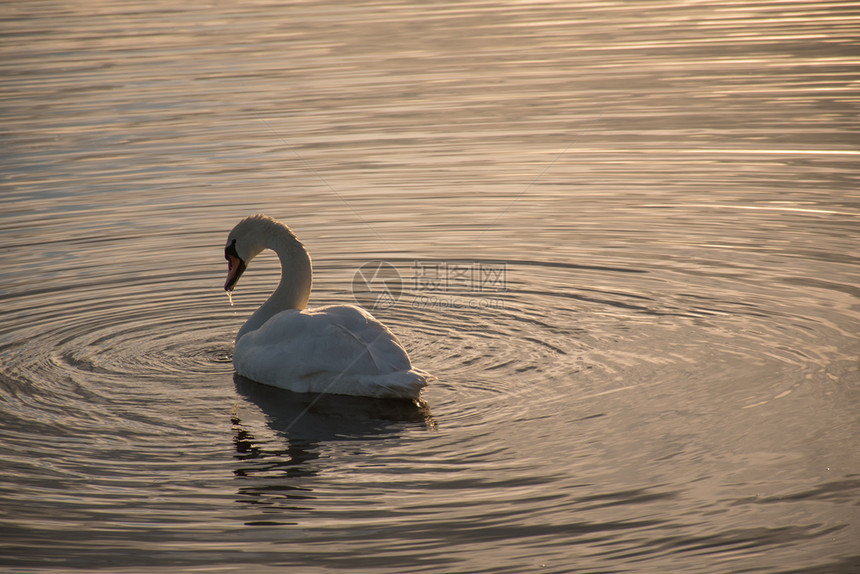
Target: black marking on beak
pixel 235 266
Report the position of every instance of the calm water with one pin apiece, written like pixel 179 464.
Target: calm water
pixel 626 236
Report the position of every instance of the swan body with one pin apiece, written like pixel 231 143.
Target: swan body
pixel 338 349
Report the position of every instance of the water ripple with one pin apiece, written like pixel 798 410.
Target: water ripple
pixel 665 380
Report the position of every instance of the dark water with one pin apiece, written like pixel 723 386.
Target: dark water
pixel 626 235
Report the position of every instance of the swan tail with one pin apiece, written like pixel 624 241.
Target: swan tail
pixel 400 384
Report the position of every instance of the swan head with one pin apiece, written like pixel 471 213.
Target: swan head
pixel 244 243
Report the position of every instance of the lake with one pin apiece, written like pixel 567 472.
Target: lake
pixel 623 236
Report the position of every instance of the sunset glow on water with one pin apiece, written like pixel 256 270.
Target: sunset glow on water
pixel 623 236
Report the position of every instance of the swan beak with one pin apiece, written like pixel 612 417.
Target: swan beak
pixel 235 268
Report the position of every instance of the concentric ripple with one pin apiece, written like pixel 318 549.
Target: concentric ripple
pixel 128 374
pixel 117 340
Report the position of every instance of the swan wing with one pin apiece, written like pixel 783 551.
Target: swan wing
pixel 341 349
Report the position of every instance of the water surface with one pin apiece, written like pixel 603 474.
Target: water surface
pixel 627 241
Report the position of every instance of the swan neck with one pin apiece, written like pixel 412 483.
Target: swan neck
pixel 294 290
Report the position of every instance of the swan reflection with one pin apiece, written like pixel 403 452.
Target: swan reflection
pixel 309 427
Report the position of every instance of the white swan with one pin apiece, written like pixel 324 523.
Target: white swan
pixel 338 349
